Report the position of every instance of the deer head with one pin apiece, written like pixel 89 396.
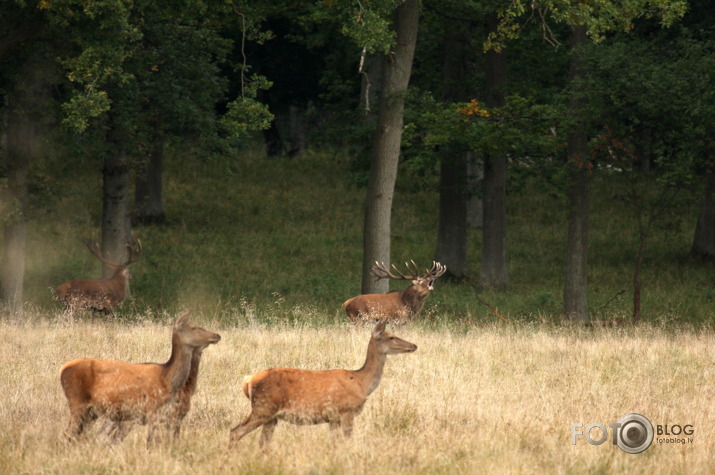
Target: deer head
pixel 423 283
pixel 134 253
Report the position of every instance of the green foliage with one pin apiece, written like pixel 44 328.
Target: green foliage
pixel 246 114
pixel 519 130
pixel 368 24
pixel 598 16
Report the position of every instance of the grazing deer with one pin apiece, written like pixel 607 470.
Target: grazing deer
pixel 397 305
pixel 131 392
pixel 313 397
pixel 98 294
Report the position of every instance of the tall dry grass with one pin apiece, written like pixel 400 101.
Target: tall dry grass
pixel 485 400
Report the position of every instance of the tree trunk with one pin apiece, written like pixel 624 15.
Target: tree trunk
pixel 637 277
pixel 494 272
pixel 386 149
pixel 575 285
pixel 371 85
pixel 704 240
pixel 116 227
pixel 21 134
pixel 148 202
pixel 26 107
pixel 452 231
pixel 475 207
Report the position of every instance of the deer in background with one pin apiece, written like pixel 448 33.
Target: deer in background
pixel 99 294
pixel 313 397
pixel 398 305
pixel 126 392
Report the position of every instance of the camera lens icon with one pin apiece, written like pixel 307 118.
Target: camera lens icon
pixel 635 433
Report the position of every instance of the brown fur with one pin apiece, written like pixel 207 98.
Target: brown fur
pixel 179 406
pixel 395 306
pixel 313 397
pixel 100 295
pixel 131 392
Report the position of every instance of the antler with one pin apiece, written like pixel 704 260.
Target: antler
pixel 381 271
pixel 94 249
pixel 135 251
pixel 436 271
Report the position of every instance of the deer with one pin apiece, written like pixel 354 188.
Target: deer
pixel 304 397
pixel 125 392
pixel 398 305
pixel 180 406
pixel 99 295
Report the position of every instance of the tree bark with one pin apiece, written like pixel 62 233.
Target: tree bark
pixel 575 285
pixel 386 149
pixel 148 201
pixel 116 226
pixel 704 240
pixel 475 206
pixel 26 107
pixel 494 272
pixel 21 133
pixel 371 85
pixel 453 196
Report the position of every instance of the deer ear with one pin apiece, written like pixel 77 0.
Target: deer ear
pixel 379 328
pixel 182 319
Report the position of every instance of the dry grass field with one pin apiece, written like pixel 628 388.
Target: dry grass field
pixel 483 399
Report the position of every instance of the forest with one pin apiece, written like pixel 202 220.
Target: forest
pixel 604 111
pixel 231 187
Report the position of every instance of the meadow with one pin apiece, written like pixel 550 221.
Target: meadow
pixel 483 399
pixel 264 251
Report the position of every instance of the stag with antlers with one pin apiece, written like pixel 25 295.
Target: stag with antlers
pixel 99 295
pixel 399 305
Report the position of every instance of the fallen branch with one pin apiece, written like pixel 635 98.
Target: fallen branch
pixel 609 300
pixel 494 311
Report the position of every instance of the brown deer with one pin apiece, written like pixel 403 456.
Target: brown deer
pixel 313 397
pixel 180 405
pixel 398 305
pixel 131 392
pixel 99 295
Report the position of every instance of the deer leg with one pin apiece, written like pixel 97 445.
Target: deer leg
pixel 251 423
pixel 80 417
pixel 346 421
pixel 267 433
pixel 116 431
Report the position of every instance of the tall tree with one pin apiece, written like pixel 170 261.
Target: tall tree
pixel 27 75
pixel 453 187
pixel 494 272
pixel 25 111
pixel 576 280
pixel 397 68
pixel 593 20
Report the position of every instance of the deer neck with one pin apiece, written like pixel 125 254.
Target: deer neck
pixel 193 378
pixel 177 369
pixel 412 299
pixel 371 372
